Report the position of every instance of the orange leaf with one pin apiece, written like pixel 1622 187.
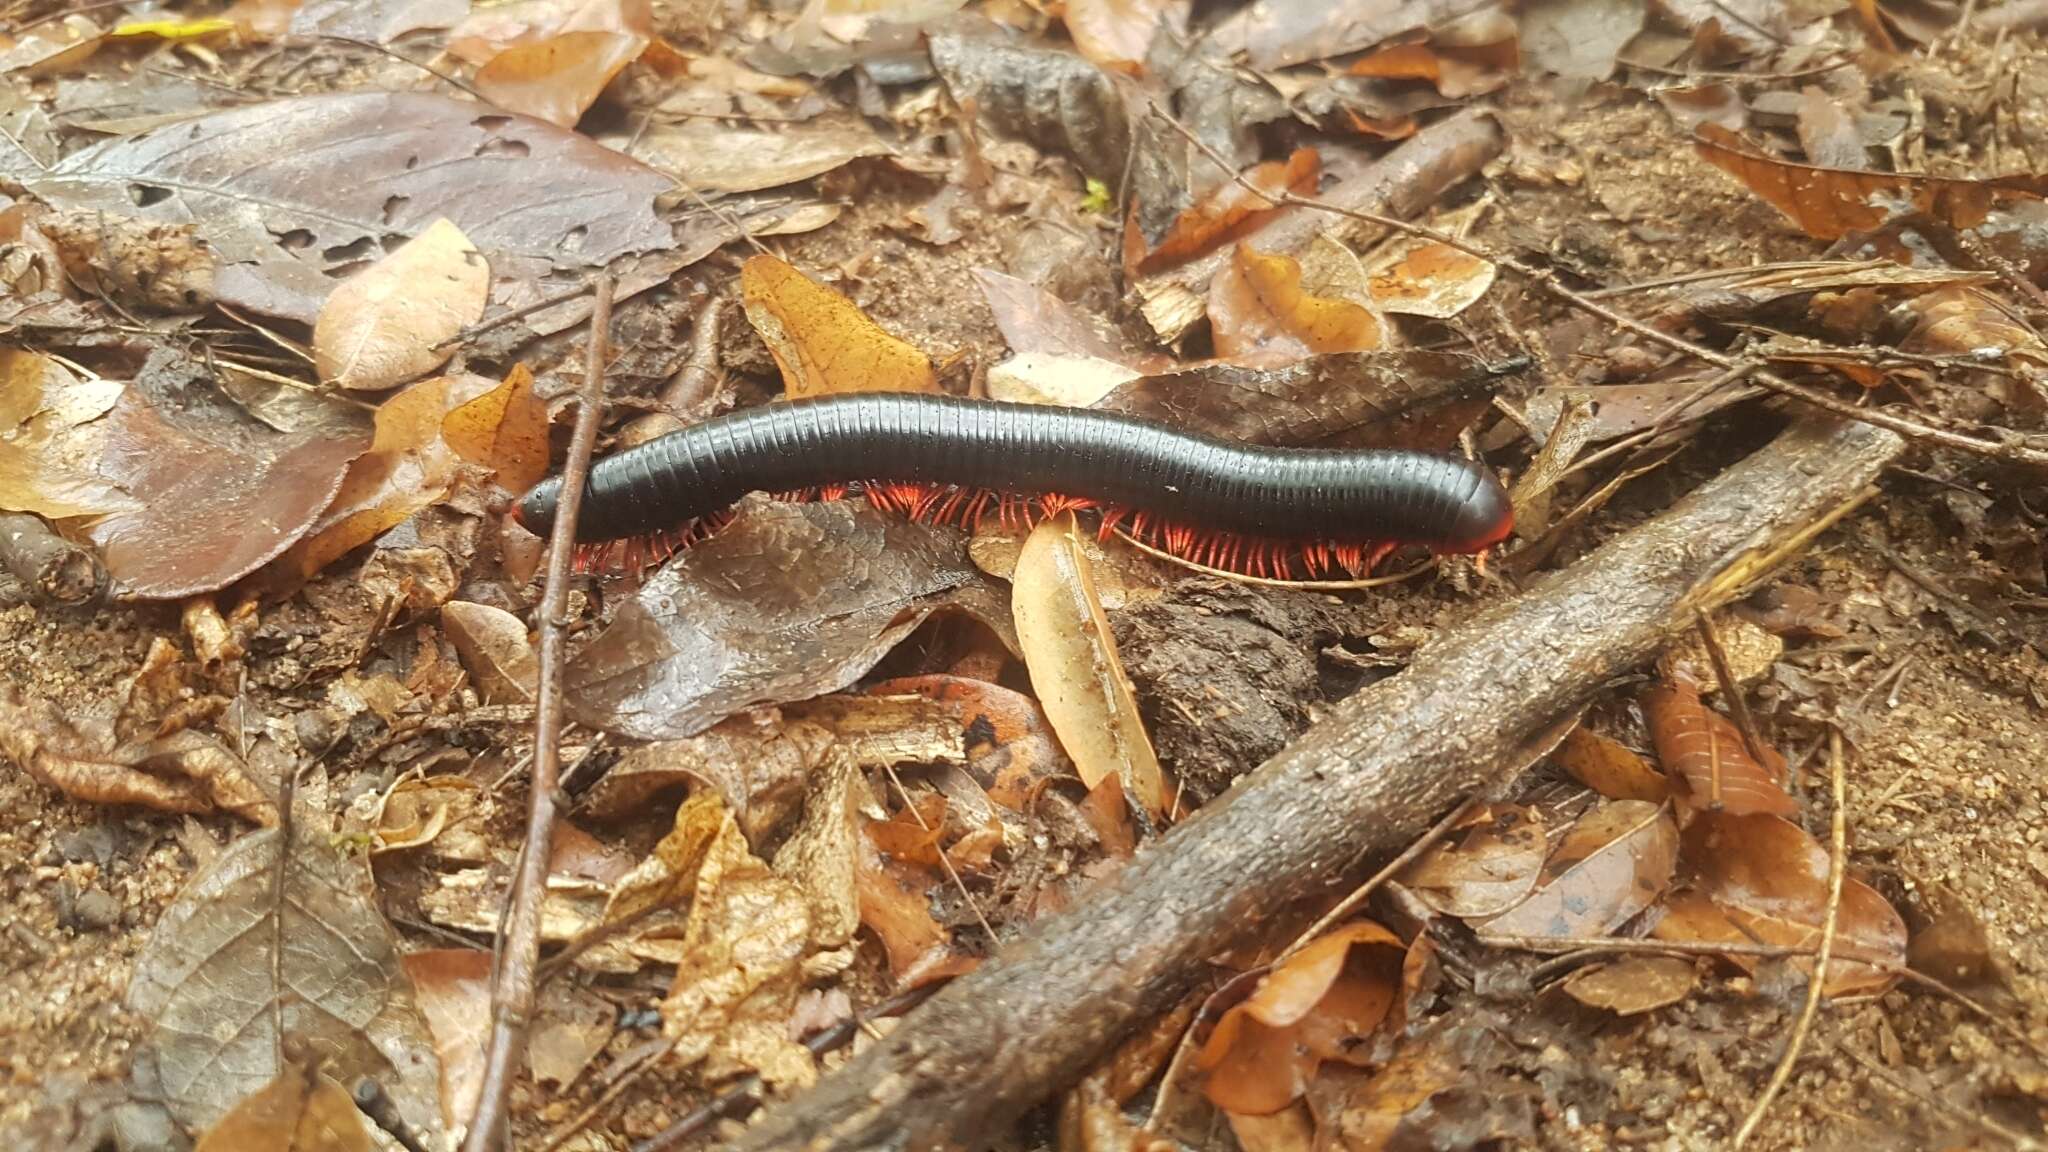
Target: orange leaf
pixel 1434 280
pixel 823 343
pixel 1610 768
pixel 1829 203
pixel 1704 750
pixel 559 78
pixel 1010 746
pixel 505 430
pixel 1262 318
pixel 492 29
pixel 1228 212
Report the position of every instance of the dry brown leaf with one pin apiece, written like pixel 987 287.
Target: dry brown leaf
pixel 1828 133
pixel 447 812
pixel 408 467
pixel 1610 866
pixel 386 324
pixel 722 157
pixel 1490 868
pixel 505 430
pixel 495 650
pixel 1074 667
pixel 489 30
pixel 822 342
pixel 1316 1005
pixel 1115 34
pixel 1455 70
pixel 894 905
pixel 559 78
pixel 1765 879
pixel 1034 320
pixel 184 771
pixel 1830 203
pixel 1011 749
pixel 1433 280
pixel 1263 318
pixel 53 47
pixel 1703 750
pixel 1229 212
pixel 300 1111
pixel 822 854
pixel 741 965
pixel 1634 985
pixel 1964 321
pixel 51 439
pixel 1611 768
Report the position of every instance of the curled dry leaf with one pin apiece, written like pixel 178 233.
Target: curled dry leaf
pixel 1009 744
pixel 1611 768
pixel 787 602
pixel 495 650
pixel 1764 879
pixel 182 771
pixel 1704 751
pixel 823 342
pixel 1230 211
pixel 302 1110
pixel 1491 867
pixel 387 324
pixel 1262 317
pixel 711 157
pixel 505 430
pixel 216 987
pixel 1456 67
pixel 1610 866
pixel 747 935
pixel 1075 670
pixel 559 78
pixel 1634 985
pixel 896 907
pixel 1830 203
pixel 1316 1005
pixel 448 812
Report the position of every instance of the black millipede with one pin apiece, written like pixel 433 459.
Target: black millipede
pixel 1263 511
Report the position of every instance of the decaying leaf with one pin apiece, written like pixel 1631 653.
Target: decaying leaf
pixel 495 650
pixel 488 30
pixel 1578 38
pixel 52 438
pixel 788 602
pixel 1830 203
pixel 258 181
pixel 1761 878
pixel 1034 320
pixel 302 1110
pixel 1432 279
pixel 1610 866
pixel 1229 212
pixel 1445 1085
pixel 1261 316
pixel 387 324
pixel 1049 97
pixel 1009 744
pixel 1075 670
pixel 822 342
pixel 505 430
pixel 1492 867
pixel 204 981
pixel 559 78
pixel 1316 1005
pixel 1634 985
pixel 741 965
pixel 1116 33
pixel 1704 750
pixel 713 157
pixel 182 771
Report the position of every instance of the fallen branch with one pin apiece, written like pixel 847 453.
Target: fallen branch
pixel 514 983
pixel 1357 787
pixel 57 572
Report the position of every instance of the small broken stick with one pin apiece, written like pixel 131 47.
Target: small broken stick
pixel 58 573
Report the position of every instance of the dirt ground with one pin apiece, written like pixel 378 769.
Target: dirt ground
pixel 1941 668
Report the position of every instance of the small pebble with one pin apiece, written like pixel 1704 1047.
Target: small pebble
pixel 96 910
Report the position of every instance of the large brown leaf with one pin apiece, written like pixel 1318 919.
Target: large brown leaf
pixel 290 191
pixel 788 602
pixel 234 959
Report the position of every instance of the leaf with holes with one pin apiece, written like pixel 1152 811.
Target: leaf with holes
pixel 292 192
pixel 390 323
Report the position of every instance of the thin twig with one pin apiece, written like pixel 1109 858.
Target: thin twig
pixel 2013 449
pixel 1349 904
pixel 429 69
pixel 1838 867
pixel 641 1067
pixel 945 861
pixel 519 313
pixel 515 984
pixel 1739 707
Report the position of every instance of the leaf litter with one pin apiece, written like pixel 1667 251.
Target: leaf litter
pixel 868 772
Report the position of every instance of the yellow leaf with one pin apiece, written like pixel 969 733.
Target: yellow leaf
pixel 192 28
pixel 388 324
pixel 822 342
pixel 505 430
pixel 1262 316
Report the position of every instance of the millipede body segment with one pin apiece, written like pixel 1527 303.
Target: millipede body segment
pixel 1244 507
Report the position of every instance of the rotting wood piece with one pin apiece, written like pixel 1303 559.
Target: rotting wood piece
pixel 1356 787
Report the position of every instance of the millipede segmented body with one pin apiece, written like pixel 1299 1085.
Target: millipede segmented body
pixel 1243 507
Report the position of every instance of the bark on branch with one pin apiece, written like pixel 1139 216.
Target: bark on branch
pixel 1359 785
